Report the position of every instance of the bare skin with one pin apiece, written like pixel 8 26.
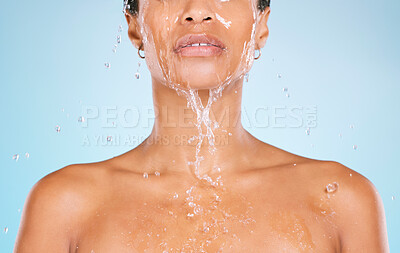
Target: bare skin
pixel 276 201
pixel 87 207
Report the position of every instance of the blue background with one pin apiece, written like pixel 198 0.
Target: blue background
pixel 339 57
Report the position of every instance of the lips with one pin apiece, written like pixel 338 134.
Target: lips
pixel 199 45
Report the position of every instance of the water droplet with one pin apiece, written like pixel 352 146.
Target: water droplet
pixel 351 126
pixel 114 50
pixel 294 164
pixel 137 75
pixel 176 195
pixel 188 191
pixel 285 89
pixel 19 210
pixel 109 138
pixel 230 134
pixel 355 147
pixel 120 28
pixel 340 135
pixel 118 39
pixel 157 173
pixel 62 109
pixel 197 210
pixel 287 95
pixel 332 187
pixel 145 175
pixel 81 119
pixel 57 128
pixel 92 251
pixel 216 125
pixel 279 75
pixel 351 175
pixel 107 65
pixel 15 157
pixel 139 64
pixel 6 230
pixel 235 91
pixel 393 197
pixel 27 155
pixel 308 131
pixel 246 77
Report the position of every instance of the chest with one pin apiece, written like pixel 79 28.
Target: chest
pixel 226 223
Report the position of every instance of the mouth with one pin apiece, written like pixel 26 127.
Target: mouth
pixel 199 45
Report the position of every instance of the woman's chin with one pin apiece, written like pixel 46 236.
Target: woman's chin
pixel 201 83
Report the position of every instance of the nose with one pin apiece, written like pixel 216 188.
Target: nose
pixel 197 11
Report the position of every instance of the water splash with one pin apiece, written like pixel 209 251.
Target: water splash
pixel 330 188
pixel 200 204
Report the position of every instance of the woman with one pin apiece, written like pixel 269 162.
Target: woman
pixel 200 182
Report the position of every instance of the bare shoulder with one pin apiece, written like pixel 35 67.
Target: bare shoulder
pixel 353 187
pixel 359 209
pixel 55 206
pixel 351 184
pixel 72 184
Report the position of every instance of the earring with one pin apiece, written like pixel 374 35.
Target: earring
pixel 138 51
pixel 259 54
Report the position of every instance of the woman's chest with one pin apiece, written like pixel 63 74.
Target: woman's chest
pixel 195 227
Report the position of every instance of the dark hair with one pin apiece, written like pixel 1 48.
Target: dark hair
pixel 133 8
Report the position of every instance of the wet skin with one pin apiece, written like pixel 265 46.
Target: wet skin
pixel 110 207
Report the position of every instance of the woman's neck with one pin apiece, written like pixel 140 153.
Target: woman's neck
pixel 176 132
